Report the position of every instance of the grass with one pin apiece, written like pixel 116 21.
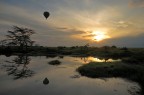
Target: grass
pixel 132 72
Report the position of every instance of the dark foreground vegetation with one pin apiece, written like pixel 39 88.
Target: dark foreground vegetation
pixel 105 51
pixel 54 62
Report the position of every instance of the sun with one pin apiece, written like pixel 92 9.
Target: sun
pixel 99 36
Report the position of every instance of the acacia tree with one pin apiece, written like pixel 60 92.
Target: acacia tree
pixel 20 37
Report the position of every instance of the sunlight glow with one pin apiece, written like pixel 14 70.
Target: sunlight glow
pixel 99 36
pixel 92 59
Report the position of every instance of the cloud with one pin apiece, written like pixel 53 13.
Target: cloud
pixel 136 3
pixel 17 15
pixel 129 41
pixel 90 35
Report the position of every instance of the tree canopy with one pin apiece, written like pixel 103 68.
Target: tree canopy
pixel 20 36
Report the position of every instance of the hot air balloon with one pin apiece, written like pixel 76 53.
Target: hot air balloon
pixel 46 14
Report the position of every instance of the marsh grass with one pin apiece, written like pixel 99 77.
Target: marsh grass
pixel 116 69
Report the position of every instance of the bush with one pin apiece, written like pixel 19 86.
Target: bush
pixel 55 62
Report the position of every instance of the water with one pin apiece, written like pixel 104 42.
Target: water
pixel 24 76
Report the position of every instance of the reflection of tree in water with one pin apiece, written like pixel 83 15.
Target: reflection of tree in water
pixel 105 59
pixel 85 59
pixel 18 67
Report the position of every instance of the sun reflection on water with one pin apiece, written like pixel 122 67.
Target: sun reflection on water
pixel 86 60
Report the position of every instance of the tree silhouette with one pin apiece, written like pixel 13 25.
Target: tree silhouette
pixel 20 37
pixel 84 49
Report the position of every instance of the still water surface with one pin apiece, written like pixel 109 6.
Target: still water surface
pixel 23 75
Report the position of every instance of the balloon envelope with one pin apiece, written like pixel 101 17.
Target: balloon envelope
pixel 46 14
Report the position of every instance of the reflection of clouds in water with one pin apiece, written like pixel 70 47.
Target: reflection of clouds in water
pixel 117 84
pixel 61 82
pixel 134 90
pixel 75 76
pixel 62 67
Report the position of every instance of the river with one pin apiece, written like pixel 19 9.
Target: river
pixel 24 75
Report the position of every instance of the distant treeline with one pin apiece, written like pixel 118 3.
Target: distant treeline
pixel 74 50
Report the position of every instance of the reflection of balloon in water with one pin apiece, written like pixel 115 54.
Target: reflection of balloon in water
pixel 46 14
pixel 45 81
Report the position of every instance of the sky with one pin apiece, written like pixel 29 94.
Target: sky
pixel 77 22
